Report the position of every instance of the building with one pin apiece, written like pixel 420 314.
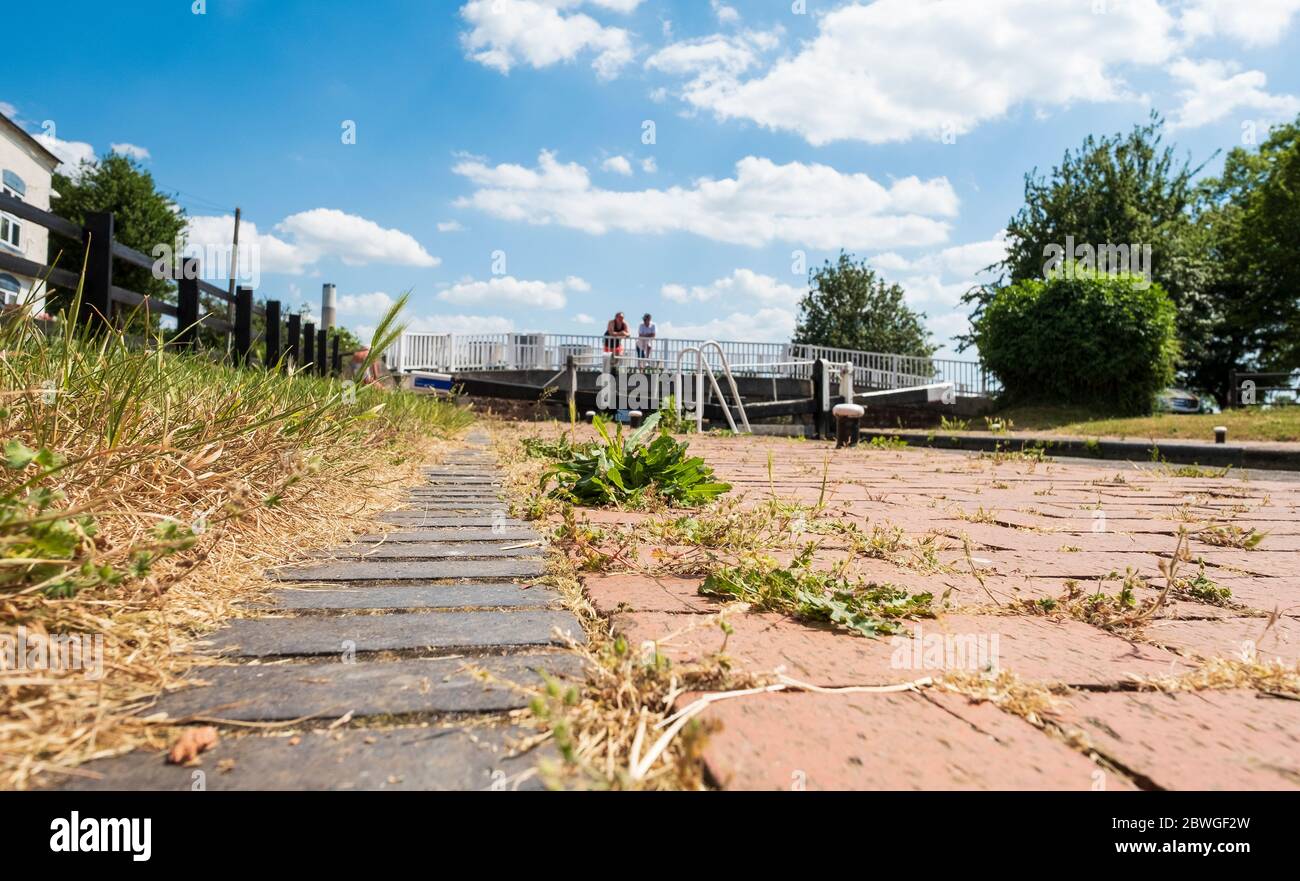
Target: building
pixel 26 169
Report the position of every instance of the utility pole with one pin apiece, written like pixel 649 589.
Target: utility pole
pixel 234 267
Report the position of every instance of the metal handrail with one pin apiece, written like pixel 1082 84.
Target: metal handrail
pixel 703 368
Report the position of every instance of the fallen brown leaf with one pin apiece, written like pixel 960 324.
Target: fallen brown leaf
pixel 187 747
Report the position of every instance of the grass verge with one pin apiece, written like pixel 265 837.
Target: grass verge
pixel 1248 424
pixel 142 494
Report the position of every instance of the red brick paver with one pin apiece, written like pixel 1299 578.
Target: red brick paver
pixel 1029 529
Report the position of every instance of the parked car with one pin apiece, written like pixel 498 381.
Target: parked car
pixel 1177 400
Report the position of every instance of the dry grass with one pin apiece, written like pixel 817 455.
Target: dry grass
pixel 244 469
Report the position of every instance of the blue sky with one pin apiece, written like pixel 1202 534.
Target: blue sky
pixel 515 129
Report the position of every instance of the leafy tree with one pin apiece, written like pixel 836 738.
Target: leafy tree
pixel 1080 337
pixel 848 306
pixel 1120 190
pixel 1249 223
pixel 143 217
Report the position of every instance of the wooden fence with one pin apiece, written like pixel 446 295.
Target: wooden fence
pixel 300 343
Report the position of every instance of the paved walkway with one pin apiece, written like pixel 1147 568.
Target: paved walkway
pixel 366 654
pixel 1032 527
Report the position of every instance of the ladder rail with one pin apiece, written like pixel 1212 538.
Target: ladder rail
pixel 703 368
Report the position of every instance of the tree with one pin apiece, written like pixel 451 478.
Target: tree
pixel 849 307
pixel 143 217
pixel 1118 190
pixel 1250 218
pixel 1080 337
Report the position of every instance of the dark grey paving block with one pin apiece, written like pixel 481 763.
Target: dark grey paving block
pixel 462 475
pixel 411 570
pixel 356 759
pixel 275 692
pixel 433 550
pixel 449 506
pixel 468 534
pixel 316 635
pixel 420 518
pixel 417 596
pixel 459 495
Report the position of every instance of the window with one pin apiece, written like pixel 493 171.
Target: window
pixel 11 228
pixel 10 289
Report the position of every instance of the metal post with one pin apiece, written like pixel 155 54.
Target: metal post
pixel 571 364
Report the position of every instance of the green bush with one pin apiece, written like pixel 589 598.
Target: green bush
pixel 1108 342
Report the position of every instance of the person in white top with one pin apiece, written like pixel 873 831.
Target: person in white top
pixel 645 335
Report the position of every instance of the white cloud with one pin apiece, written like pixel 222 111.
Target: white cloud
pixel 742 284
pixel 583 318
pixel 308 237
pixel 712 58
pixel 212 233
pixel 935 282
pixel 962 261
pixel 1251 22
pixel 459 324
pixel 516 292
pixel 1214 89
pixel 618 165
pixel 131 150
pixel 373 305
pixel 450 226
pixel 769 324
pixel 9 110
pixel 726 14
pixel 354 240
pixel 897 69
pixel 538 33
pixel 71 153
pixel 809 204
pixel 649 166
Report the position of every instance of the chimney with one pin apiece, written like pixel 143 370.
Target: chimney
pixel 327 303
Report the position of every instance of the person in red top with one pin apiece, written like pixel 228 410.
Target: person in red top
pixel 371 376
pixel 615 332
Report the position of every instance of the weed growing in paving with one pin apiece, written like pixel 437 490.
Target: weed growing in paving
pixel 1202 589
pixel 627 471
pixel 1229 535
pixel 867 608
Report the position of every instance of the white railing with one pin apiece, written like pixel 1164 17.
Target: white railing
pixel 451 353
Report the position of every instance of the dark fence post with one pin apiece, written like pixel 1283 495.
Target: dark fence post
pixel 272 333
pixel 1232 388
pixel 322 364
pixel 308 346
pixel 819 397
pixel 336 359
pixel 187 304
pixel 571 365
pixel 292 351
pixel 243 324
pixel 96 302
